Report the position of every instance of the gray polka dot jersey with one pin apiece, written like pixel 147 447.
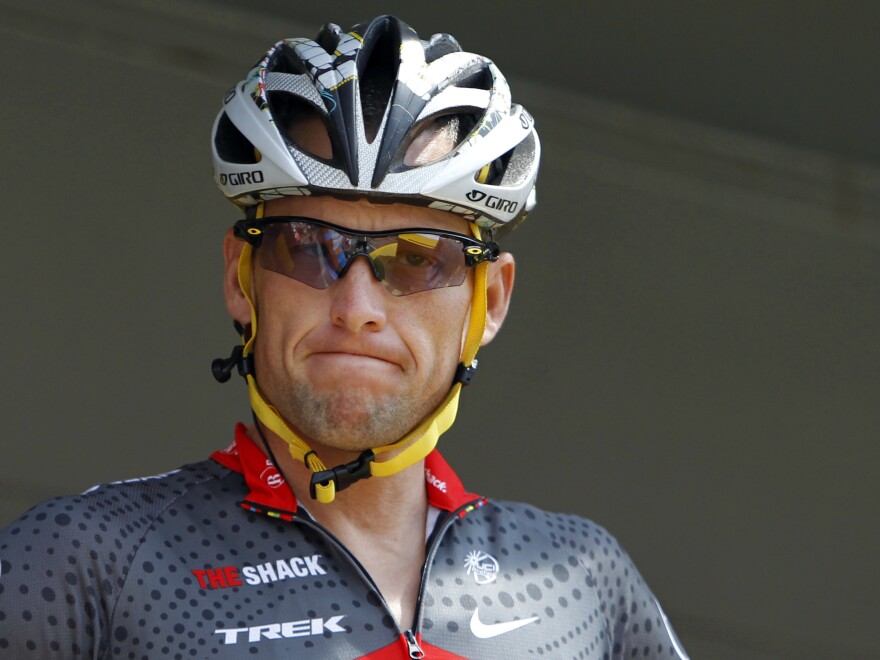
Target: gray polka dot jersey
pixel 217 560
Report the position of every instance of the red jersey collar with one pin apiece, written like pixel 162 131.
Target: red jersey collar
pixel 270 492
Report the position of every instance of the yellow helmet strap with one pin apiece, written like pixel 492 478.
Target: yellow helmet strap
pixel 416 445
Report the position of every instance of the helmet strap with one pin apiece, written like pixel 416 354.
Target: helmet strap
pixel 416 444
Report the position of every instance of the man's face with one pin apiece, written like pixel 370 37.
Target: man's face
pixel 352 366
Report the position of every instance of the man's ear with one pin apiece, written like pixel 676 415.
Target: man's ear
pixel 236 303
pixel 498 290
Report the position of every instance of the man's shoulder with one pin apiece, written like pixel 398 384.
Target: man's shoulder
pixel 565 545
pixel 549 524
pixel 573 550
pixel 69 559
pixel 568 538
pixel 157 488
pixel 117 508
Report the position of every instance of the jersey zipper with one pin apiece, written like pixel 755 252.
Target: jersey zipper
pixel 415 651
pixel 434 539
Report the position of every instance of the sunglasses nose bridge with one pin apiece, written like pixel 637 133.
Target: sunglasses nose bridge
pixel 360 250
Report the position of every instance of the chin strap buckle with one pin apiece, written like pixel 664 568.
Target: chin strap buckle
pixel 344 475
pixel 465 374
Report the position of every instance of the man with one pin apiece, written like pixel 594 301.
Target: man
pixel 375 171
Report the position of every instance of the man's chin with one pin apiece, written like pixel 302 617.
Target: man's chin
pixel 352 422
pixel 352 418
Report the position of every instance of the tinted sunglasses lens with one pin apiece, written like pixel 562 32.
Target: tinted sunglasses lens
pixel 406 263
pixel 418 262
pixel 309 254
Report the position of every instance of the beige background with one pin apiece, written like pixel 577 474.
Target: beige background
pixel 692 358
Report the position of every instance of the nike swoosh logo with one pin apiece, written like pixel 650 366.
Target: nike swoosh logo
pixel 489 630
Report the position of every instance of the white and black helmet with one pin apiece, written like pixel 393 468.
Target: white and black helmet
pixel 376 88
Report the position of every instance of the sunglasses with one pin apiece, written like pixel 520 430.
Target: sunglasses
pixel 405 261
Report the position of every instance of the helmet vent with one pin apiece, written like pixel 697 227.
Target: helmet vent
pixel 232 146
pixel 302 124
pixel 436 137
pixel 376 75
pixel 287 61
pixel 480 79
pixel 518 162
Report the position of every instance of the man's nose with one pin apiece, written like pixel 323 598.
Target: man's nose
pixel 359 298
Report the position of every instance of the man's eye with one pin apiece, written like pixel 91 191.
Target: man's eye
pixel 414 259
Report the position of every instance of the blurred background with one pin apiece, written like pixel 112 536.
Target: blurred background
pixel 693 354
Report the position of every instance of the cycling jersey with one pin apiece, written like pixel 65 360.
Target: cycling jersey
pixel 217 560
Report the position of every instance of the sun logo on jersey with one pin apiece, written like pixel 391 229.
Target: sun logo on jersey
pixel 483 566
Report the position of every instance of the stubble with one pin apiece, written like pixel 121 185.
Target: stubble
pixel 354 418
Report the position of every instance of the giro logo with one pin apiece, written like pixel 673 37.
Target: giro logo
pixel 241 178
pixel 493 202
pixel 286 630
pixel 483 566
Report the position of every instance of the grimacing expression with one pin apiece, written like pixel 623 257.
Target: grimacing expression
pixel 352 366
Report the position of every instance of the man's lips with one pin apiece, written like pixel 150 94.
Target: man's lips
pixel 353 354
pixel 355 357
pixel 363 352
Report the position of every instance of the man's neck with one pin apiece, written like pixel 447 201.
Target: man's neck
pixel 381 521
pixel 371 504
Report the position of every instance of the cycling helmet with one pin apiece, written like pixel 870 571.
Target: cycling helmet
pixel 375 89
pixel 375 94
